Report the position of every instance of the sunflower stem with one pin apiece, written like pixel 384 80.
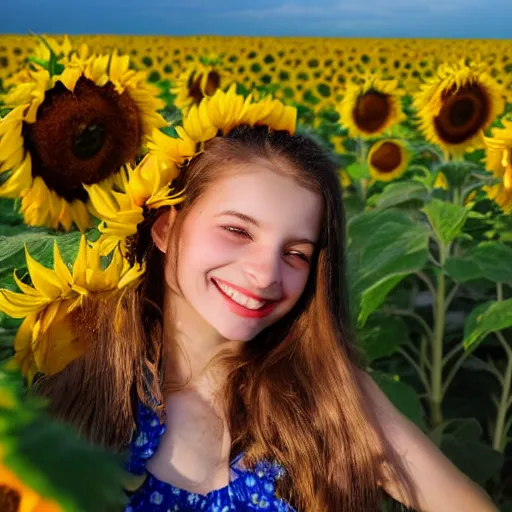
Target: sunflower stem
pixel 362 161
pixel 499 292
pixel 456 195
pixel 500 432
pixel 501 428
pixel 421 374
pixel 436 385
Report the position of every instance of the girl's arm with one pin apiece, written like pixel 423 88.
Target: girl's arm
pixel 440 486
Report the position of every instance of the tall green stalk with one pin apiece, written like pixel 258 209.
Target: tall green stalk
pixel 436 390
pixel 500 430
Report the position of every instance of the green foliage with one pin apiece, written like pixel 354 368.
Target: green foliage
pixel 51 459
pixel 462 443
pixel 429 275
pixel 446 219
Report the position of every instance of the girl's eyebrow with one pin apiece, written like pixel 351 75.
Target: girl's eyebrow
pixel 251 220
pixel 241 216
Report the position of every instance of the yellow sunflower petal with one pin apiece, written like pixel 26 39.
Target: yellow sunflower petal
pixel 61 269
pixel 18 305
pixel 44 279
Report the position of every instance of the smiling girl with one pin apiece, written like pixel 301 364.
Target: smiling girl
pixel 229 371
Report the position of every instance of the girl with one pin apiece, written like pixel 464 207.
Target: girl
pixel 229 370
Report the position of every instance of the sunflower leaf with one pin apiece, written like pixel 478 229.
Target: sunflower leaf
pixel 401 192
pixel 494 260
pixel 462 443
pixel 358 170
pixel 486 319
pixel 463 269
pixel 488 260
pixel 375 295
pixel 401 395
pixel 446 219
pixel 381 336
pixel 384 246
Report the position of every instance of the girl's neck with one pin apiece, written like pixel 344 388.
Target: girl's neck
pixel 189 345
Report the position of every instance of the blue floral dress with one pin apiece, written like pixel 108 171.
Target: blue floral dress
pixel 250 490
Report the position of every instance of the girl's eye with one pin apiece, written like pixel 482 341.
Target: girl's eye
pixel 299 255
pixel 240 232
pixel 237 231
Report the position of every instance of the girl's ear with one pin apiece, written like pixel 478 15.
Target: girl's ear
pixel 162 227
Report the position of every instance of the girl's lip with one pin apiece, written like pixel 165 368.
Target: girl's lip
pixel 240 310
pixel 243 290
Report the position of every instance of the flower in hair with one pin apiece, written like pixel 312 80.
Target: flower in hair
pixel 45 341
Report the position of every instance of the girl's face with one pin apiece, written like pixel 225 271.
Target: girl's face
pixel 245 252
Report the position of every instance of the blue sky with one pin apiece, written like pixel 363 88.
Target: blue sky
pixel 330 18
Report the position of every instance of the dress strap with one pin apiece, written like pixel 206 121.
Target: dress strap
pixel 145 439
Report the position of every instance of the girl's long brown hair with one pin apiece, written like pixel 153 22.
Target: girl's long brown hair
pixel 292 395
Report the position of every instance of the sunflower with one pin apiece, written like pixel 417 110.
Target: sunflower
pixel 387 160
pixel 75 121
pixel 124 207
pixel 45 341
pixel 225 110
pixel 456 106
pixel 498 160
pixel 371 108
pixel 200 80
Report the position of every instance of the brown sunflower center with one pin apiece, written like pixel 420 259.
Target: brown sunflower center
pixel 82 136
pixel 196 92
pixel 372 110
pixel 10 499
pixel 464 113
pixel 386 158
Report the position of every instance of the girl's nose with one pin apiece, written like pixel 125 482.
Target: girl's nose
pixel 264 269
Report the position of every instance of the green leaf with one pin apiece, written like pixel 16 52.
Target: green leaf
pixel 358 171
pixel 401 192
pixel 40 247
pixel 8 212
pixel 489 260
pixel 446 219
pixel 383 244
pixel 485 319
pixel 494 260
pixel 375 295
pixel 463 269
pixel 381 336
pixel 401 395
pixel 461 443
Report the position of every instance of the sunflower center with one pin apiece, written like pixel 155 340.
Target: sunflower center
pixel 89 141
pixel 197 92
pixel 386 158
pixel 372 110
pixel 82 136
pixel 10 499
pixel 463 114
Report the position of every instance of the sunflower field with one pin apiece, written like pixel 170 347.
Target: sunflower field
pixel 421 131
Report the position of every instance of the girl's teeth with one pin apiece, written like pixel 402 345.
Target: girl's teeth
pixel 240 298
